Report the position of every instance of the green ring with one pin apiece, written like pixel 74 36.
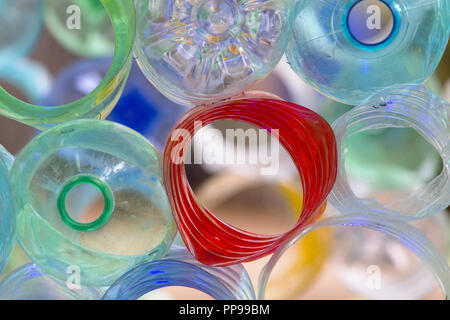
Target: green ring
pixel 97 104
pixel 102 187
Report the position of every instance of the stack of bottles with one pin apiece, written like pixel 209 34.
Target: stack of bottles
pixel 100 199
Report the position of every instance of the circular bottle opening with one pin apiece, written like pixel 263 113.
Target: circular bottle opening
pixel 85 203
pixel 250 168
pixel 371 24
pixel 75 29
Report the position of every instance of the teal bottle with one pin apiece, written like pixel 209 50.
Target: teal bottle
pixel 90 197
pixel 350 49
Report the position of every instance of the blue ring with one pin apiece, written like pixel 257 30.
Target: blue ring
pixel 371 47
pixel 179 268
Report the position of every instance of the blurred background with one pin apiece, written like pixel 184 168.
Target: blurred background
pixel 334 263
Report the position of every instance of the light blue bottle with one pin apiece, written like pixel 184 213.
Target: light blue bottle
pixel 7 208
pixel 21 22
pixel 349 49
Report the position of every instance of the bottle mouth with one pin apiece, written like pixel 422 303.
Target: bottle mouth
pixel 395 107
pixel 371 24
pixel 66 214
pixel 206 243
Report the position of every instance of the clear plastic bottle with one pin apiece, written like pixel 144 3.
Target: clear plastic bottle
pixel 90 195
pixel 196 52
pixel 411 107
pixel 350 49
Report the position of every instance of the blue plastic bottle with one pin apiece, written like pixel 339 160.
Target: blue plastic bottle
pixel 349 49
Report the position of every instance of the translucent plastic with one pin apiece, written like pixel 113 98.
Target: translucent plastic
pixel 309 256
pixel 312 148
pixel 179 268
pixel 20 27
pixel 196 52
pixel 93 37
pixel 54 177
pixel 325 53
pixel 403 276
pixel 411 106
pixel 141 107
pixel 29 282
pixel 391 158
pixel 7 208
pixel 285 168
pixel 446 9
pixel 400 231
pixel 388 159
pixel 98 103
